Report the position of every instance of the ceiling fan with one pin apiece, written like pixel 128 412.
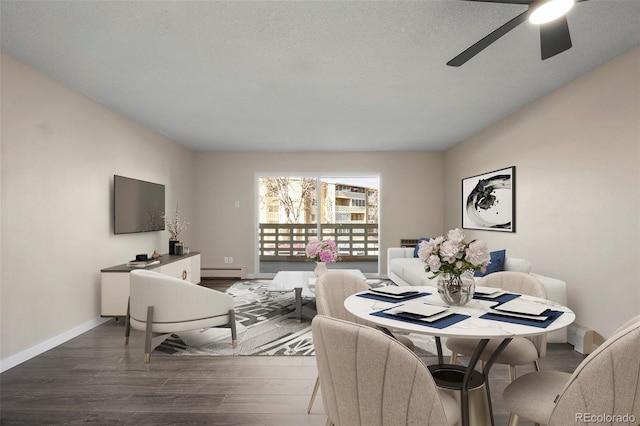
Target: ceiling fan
pixel 550 15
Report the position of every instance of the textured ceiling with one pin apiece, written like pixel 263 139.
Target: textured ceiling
pixel 307 75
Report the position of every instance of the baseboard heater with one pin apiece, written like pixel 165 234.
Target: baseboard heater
pixel 583 339
pixel 226 272
pixel 408 242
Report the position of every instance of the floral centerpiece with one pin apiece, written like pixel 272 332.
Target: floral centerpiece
pixel 322 252
pixel 453 261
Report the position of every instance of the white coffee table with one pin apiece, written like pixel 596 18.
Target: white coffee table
pixel 302 283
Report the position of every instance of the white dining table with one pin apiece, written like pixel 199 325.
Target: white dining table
pixel 475 320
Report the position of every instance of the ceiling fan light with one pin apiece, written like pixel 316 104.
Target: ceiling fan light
pixel 549 11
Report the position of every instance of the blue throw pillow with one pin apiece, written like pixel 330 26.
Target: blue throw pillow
pixel 496 265
pixel 415 250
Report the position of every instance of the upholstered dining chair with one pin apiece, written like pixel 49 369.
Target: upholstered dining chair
pixel 332 288
pixel 606 383
pixel 161 305
pixel 368 378
pixel 521 350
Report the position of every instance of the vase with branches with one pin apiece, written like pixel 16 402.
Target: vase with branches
pixel 175 225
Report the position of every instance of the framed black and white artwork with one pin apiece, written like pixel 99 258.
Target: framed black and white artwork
pixel 488 201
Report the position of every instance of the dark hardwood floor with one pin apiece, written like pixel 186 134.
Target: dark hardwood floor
pixel 94 378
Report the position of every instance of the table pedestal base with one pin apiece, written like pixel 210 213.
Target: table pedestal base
pixel 450 377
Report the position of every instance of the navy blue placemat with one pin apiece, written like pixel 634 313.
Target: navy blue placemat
pixel 551 317
pixel 439 324
pixel 382 298
pixel 500 299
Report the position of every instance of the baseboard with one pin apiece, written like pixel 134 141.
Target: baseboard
pixel 41 348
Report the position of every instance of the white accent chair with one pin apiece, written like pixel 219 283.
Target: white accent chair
pixel 606 383
pixel 370 379
pixel 521 350
pixel 161 305
pixel 332 288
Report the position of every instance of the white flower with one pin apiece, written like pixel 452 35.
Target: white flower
pixel 456 235
pixel 449 249
pixel 478 253
pixel 425 249
pixel 434 263
pixel 176 225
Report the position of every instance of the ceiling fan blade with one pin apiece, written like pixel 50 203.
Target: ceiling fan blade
pixel 524 2
pixel 487 40
pixel 554 38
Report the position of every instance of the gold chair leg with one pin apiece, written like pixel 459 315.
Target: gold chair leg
pixel 232 325
pixel 513 419
pixel 148 340
pixel 512 373
pixel 454 358
pixel 313 394
pixel 536 365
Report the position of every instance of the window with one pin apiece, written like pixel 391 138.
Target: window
pixel 292 209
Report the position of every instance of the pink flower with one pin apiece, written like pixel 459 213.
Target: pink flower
pixel 326 256
pixel 321 251
pixel 313 247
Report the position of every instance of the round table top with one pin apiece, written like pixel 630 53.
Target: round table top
pixel 471 327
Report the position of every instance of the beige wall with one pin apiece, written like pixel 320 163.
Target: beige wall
pixel 60 151
pixel 410 189
pixel 577 159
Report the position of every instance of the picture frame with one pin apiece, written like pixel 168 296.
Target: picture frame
pixel 488 201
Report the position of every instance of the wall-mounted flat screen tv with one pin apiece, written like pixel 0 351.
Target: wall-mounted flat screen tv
pixel 138 206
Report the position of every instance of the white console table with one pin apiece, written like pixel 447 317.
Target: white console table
pixel 114 281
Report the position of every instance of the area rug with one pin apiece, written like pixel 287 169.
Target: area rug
pixel 266 325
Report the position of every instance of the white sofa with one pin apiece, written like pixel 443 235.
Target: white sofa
pixel 404 269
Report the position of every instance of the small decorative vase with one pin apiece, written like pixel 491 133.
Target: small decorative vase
pixel 172 246
pixel 320 268
pixel 456 290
